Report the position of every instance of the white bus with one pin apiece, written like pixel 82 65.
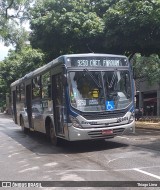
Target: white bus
pixel 77 97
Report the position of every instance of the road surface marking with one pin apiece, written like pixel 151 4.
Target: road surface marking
pixel 147 173
pixel 124 137
pixel 127 169
pixel 100 170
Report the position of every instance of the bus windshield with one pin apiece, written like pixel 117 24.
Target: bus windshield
pixel 92 91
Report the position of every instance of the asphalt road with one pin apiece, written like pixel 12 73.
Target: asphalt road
pixel 32 158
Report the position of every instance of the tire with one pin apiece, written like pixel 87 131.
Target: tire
pixel 53 139
pixel 24 129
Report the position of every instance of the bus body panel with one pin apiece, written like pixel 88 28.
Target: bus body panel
pixel 77 134
pixel 61 114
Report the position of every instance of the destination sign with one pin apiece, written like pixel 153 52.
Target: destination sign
pixel 97 61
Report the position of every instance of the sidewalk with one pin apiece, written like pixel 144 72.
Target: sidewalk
pixel 148 125
pixel 4 115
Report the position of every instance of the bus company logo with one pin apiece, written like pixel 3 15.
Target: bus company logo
pixel 6 184
pixel 91 123
pixel 120 119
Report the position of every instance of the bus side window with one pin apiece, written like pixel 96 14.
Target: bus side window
pixel 22 92
pixel 36 87
pixel 46 85
pixel 18 93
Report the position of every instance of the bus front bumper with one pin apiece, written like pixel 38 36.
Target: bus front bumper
pixel 77 134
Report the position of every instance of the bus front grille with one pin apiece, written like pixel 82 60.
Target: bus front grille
pixel 104 115
pixel 99 133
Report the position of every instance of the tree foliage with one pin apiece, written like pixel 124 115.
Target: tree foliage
pixel 69 26
pixel 110 26
pixel 16 65
pixel 12 14
pixel 148 67
pixel 133 27
pixel 66 26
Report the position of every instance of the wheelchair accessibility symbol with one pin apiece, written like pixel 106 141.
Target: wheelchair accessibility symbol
pixel 109 105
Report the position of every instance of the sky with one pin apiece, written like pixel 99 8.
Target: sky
pixel 4 51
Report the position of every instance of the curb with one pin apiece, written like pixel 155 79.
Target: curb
pixel 147 128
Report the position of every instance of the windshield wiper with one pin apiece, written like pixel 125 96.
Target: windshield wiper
pixel 113 79
pixel 93 78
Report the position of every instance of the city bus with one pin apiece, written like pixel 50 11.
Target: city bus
pixel 77 97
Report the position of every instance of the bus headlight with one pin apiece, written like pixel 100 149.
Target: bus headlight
pixel 75 122
pixel 132 117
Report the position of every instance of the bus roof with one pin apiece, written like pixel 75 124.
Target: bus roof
pixel 93 55
pixel 57 60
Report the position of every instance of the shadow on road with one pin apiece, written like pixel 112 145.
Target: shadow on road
pixel 38 143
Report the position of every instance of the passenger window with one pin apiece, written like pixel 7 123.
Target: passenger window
pixel 22 92
pixel 36 87
pixel 46 85
pixel 18 93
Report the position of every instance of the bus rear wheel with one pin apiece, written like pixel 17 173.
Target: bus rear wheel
pixel 54 140
pixel 24 129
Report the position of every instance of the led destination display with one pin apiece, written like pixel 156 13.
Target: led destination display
pixel 98 61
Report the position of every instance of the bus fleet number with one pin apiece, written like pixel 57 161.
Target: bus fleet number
pixel 82 63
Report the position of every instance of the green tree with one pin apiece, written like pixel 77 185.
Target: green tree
pixel 18 38
pixel 12 14
pixel 66 26
pixel 16 65
pixel 133 26
pixel 148 67
pixel 110 26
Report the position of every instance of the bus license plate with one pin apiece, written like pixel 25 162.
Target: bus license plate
pixel 107 132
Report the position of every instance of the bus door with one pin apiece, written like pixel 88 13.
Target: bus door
pixel 37 111
pixel 29 104
pixel 58 103
pixel 14 106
